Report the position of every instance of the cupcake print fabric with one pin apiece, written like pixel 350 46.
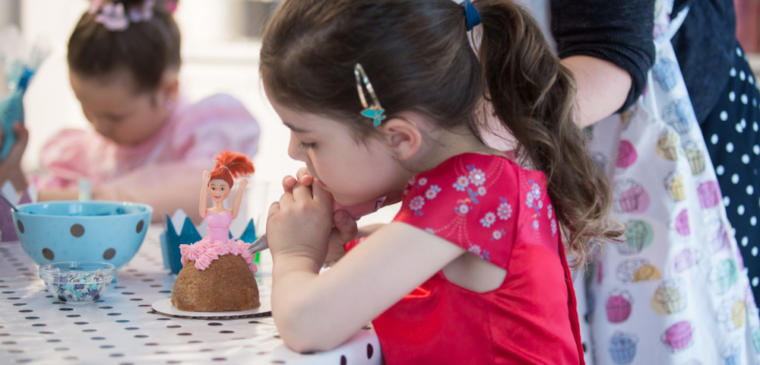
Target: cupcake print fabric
pixel 676 291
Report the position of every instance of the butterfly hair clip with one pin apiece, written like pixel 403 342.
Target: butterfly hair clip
pixel 375 111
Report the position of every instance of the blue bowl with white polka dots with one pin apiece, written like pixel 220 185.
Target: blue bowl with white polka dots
pixel 110 232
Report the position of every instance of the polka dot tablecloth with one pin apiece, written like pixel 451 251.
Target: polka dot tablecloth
pixel 121 327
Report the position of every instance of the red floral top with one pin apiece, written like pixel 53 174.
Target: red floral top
pixel 499 211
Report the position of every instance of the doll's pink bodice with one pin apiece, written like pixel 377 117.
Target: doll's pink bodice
pixel 218 225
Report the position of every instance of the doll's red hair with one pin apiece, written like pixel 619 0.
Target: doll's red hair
pixel 230 165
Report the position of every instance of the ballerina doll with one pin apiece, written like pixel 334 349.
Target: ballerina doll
pixel 218 183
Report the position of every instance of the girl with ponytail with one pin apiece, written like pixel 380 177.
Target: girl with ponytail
pixel 383 97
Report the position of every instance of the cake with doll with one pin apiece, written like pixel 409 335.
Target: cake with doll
pixel 217 272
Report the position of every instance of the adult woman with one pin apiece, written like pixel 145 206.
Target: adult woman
pixel 681 253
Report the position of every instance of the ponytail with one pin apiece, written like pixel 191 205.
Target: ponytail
pixel 533 95
pixel 421 59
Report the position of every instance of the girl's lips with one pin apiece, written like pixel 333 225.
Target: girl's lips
pixel 217 197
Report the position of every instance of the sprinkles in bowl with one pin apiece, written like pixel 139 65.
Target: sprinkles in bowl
pixel 77 281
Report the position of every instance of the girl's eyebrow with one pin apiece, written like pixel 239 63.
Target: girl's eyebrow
pixel 296 129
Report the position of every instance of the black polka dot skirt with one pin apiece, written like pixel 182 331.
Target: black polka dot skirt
pixel 732 134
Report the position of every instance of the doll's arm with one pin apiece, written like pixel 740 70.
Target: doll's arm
pixel 238 198
pixel 202 207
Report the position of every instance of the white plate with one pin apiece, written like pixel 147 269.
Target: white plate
pixel 165 307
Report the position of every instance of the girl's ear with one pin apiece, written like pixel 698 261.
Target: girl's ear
pixel 403 137
pixel 169 88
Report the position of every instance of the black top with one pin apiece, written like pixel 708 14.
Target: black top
pixel 620 31
pixel 704 47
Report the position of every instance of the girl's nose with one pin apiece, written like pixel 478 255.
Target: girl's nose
pixel 294 149
pixel 101 127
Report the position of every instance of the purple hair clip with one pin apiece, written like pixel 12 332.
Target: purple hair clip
pixel 143 12
pixel 113 17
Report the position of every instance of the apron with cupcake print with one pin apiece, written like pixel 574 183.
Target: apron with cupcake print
pixel 676 292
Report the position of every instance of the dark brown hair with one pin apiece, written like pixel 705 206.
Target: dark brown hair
pixel 418 57
pixel 145 49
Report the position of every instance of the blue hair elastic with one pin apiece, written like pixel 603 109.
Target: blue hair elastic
pixel 472 15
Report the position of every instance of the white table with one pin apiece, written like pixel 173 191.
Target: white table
pixel 121 328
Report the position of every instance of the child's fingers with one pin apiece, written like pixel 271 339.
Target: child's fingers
pixel 273 209
pixel 302 193
pixel 322 196
pixel 345 224
pixel 22 138
pixel 286 199
pixel 22 134
pixel 288 182
pixel 304 177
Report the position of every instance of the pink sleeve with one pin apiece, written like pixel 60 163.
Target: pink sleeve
pixel 217 123
pixel 70 155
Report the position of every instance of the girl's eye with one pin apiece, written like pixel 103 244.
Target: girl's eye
pixel 114 118
pixel 307 146
pixel 222 189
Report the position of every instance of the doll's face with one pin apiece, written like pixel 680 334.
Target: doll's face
pixel 218 189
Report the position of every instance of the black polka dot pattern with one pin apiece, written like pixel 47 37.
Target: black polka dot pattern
pixel 77 230
pixel 732 135
pixel 121 327
pixel 48 254
pixel 109 254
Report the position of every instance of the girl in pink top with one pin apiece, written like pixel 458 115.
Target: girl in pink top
pixel 124 61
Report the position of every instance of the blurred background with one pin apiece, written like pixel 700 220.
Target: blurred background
pixel 220 48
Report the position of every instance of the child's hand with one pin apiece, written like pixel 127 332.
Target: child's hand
pixel 206 177
pixel 243 183
pixel 17 151
pixel 11 167
pixel 344 231
pixel 304 177
pixel 301 222
pixel 344 225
